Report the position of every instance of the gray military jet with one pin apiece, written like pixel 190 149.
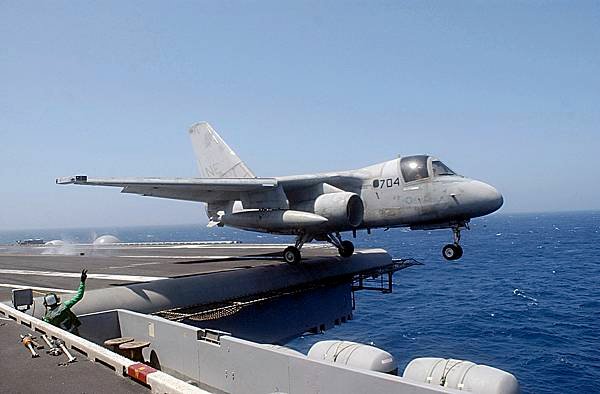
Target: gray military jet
pixel 419 192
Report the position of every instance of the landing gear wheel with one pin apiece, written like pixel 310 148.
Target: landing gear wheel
pixel 460 251
pixel 452 252
pixel 291 255
pixel 346 249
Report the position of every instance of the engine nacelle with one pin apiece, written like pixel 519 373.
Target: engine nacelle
pixel 341 209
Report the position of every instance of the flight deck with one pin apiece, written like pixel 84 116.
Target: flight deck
pixel 231 286
pixel 57 268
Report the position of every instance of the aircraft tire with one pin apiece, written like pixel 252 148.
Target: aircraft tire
pixel 346 249
pixel 452 252
pixel 460 252
pixel 291 255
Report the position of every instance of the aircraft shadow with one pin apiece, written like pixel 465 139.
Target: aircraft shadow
pixel 262 256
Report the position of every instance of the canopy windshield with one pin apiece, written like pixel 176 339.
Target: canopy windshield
pixel 414 168
pixel 439 169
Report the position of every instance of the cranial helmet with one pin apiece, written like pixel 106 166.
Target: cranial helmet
pixel 51 300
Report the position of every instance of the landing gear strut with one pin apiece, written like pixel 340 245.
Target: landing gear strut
pixel 345 248
pixel 453 251
pixel 291 254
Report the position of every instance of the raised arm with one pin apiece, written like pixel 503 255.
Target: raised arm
pixel 80 291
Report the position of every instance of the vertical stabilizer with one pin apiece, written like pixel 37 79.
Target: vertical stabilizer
pixel 215 158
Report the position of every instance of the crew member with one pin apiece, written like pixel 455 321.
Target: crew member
pixel 59 314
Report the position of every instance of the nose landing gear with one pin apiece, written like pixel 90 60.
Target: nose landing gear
pixel 453 251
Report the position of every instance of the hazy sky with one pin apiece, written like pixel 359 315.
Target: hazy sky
pixel 506 92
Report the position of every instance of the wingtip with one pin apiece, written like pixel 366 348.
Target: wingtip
pixel 67 180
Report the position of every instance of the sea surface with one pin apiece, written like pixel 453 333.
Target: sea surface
pixel 525 297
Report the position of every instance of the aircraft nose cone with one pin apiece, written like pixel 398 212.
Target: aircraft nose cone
pixel 492 197
pixel 481 199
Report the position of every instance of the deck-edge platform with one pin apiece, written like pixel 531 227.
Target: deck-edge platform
pixel 158 381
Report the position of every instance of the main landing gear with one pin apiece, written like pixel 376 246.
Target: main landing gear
pixel 345 248
pixel 291 254
pixel 453 251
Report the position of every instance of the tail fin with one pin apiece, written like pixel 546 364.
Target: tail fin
pixel 215 158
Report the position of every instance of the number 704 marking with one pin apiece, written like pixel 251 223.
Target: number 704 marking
pixel 386 182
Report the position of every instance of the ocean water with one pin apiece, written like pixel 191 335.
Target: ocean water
pixel 525 297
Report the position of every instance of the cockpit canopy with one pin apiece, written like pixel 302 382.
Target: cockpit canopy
pixel 416 167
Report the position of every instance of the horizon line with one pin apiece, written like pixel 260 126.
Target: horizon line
pixel 204 222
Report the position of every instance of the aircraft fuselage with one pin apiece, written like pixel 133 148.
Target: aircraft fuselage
pixel 434 201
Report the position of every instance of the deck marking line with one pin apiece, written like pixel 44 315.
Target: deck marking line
pixel 126 278
pixel 203 257
pixel 50 289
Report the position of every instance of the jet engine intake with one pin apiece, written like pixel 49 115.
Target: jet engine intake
pixel 341 208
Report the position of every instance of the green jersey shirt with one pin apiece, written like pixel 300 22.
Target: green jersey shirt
pixel 61 316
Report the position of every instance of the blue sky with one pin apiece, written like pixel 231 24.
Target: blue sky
pixel 506 92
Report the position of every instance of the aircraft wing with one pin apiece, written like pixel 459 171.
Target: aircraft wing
pixel 342 181
pixel 188 189
pixel 270 193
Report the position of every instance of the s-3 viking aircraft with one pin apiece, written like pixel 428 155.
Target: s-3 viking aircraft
pixel 419 192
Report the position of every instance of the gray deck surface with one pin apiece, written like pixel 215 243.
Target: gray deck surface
pixel 22 374
pixel 59 267
pixel 54 268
